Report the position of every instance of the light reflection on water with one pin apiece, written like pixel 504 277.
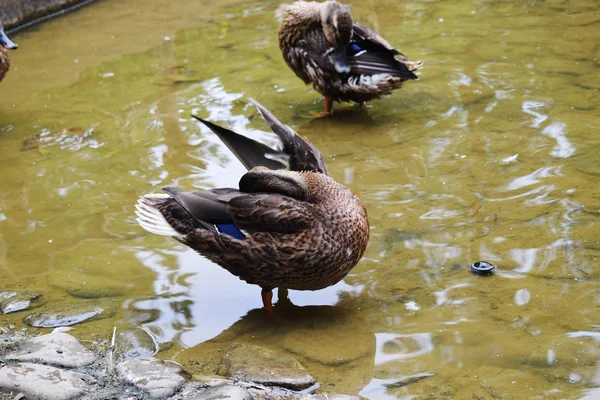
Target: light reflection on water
pixel 490 156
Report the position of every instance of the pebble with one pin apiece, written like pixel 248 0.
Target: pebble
pixel 59 349
pixel 13 301
pixel 70 315
pixel 158 378
pixel 134 342
pixel 42 382
pixel 223 392
pixel 326 396
pixel 252 363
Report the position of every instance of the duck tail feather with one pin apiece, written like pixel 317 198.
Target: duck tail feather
pixel 150 217
pixel 250 152
pixel 303 156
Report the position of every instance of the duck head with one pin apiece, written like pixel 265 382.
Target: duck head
pixel 5 40
pixel 287 183
pixel 337 24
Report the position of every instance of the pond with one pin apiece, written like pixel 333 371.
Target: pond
pixel 491 156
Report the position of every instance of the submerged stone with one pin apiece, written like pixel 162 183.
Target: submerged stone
pixel 158 378
pixel 42 382
pixel 95 293
pixel 134 342
pixel 257 364
pixel 138 316
pixel 407 380
pixel 13 301
pixel 59 349
pixel 70 315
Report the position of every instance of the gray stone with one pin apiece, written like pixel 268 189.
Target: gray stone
pixel 13 301
pixel 134 342
pixel 223 392
pixel 212 380
pixel 158 378
pixel 57 348
pixel 326 396
pixel 252 363
pixel 42 382
pixel 70 315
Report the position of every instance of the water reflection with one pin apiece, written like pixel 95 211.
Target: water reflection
pixel 490 156
pixel 186 296
pixel 335 343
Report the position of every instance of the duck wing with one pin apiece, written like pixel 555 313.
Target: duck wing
pixel 178 213
pixel 297 154
pixel 270 212
pixel 223 211
pixel 370 54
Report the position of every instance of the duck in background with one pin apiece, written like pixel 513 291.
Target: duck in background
pixel 342 59
pixel 288 226
pixel 5 43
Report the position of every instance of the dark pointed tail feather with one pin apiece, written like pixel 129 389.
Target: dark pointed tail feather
pixel 372 63
pixel 303 155
pixel 250 152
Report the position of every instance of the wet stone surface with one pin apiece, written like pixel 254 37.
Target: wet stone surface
pixel 14 301
pixel 59 349
pixel 134 342
pixel 70 315
pixel 253 363
pixel 158 378
pixel 44 382
pixel 325 396
pixel 223 392
pixel 57 366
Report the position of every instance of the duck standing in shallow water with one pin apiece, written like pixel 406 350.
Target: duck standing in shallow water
pixel 294 229
pixel 343 60
pixel 5 43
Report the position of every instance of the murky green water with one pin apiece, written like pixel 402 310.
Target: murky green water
pixel 491 155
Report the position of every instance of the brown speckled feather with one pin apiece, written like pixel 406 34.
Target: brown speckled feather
pixel 297 229
pixel 376 68
pixel 4 62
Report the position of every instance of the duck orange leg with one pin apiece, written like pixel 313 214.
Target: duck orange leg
pixel 267 298
pixel 327 111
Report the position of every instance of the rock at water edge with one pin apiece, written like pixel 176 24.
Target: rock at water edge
pixel 42 382
pixel 157 378
pixel 257 364
pixel 223 392
pixel 59 349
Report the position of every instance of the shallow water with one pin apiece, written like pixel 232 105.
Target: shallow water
pixel 491 155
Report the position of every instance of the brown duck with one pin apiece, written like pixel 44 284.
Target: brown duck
pixel 5 43
pixel 342 59
pixel 288 226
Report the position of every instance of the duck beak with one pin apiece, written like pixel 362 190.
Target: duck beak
pixel 339 60
pixel 6 42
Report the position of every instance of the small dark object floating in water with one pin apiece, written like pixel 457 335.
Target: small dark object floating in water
pixel 482 268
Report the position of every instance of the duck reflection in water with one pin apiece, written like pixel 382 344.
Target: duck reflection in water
pixel 296 229
pixel 335 344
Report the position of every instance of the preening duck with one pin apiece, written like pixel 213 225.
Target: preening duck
pixel 5 43
pixel 342 59
pixel 289 224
